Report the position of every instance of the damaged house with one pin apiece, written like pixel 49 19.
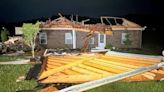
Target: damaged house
pixel 63 33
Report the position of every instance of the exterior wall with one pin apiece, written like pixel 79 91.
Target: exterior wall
pixel 80 39
pixel 115 39
pixel 56 39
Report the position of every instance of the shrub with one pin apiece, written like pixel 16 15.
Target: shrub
pixel 4 34
pixel 109 46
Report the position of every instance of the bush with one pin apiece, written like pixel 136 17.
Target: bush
pixel 4 34
pixel 109 46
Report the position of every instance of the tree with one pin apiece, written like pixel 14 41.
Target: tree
pixel 30 32
pixel 127 40
pixel 4 33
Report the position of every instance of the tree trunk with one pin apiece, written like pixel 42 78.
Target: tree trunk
pixel 32 49
pixel 33 53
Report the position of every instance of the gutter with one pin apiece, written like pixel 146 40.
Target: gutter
pixel 142 29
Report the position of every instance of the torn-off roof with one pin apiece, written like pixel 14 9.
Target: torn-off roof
pixel 102 27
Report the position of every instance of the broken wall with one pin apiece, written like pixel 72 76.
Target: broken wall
pixel 80 39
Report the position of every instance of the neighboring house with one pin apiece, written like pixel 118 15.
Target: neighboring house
pixel 63 33
pixel 18 31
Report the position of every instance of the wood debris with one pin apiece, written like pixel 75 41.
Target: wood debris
pixel 84 68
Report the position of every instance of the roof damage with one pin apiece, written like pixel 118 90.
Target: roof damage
pixel 106 26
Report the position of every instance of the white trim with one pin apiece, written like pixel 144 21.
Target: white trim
pixel 112 28
pixel 104 39
pixel 129 29
pixel 98 39
pixel 74 39
pixel 56 29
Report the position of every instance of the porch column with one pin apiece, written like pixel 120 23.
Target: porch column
pixel 74 38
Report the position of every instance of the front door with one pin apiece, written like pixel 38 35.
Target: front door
pixel 101 41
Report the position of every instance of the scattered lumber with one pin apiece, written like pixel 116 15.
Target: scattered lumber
pixel 50 88
pixel 84 68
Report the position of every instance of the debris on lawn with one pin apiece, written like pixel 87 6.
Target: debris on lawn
pixel 13 45
pixel 83 68
pixel 17 53
pixel 20 78
pixel 60 52
pixel 50 88
pixel 99 50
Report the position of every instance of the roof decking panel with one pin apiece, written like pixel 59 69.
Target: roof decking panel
pixel 78 69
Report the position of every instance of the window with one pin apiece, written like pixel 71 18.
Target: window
pixel 91 41
pixel 101 38
pixel 43 38
pixel 68 38
pixel 123 38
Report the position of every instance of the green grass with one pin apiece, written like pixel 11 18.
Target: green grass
pixel 147 49
pixel 148 86
pixel 4 58
pixel 8 76
pixel 141 51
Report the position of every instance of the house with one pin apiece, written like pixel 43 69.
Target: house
pixel 63 33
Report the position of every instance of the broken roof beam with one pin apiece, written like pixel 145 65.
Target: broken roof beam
pixel 107 19
pixel 60 14
pixel 129 23
pixel 83 21
pixel 125 21
pixel 110 17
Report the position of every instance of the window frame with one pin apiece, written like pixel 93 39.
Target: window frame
pixel 68 36
pixel 43 36
pixel 102 38
pixel 123 37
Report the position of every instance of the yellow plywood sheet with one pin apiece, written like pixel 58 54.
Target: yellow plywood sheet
pixel 71 78
pixel 77 69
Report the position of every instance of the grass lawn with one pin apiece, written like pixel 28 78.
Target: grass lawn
pixel 4 58
pixel 8 76
pixel 148 86
pixel 147 49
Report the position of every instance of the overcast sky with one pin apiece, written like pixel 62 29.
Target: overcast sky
pixel 18 10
